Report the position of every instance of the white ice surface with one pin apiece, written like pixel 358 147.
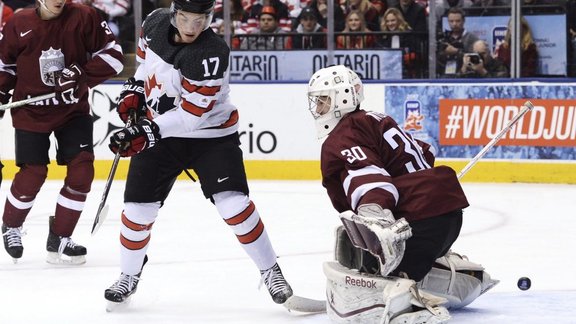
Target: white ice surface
pixel 198 272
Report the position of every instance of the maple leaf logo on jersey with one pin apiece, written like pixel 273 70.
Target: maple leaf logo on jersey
pixel 156 96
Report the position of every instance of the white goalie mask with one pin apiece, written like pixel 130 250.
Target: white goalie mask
pixel 333 92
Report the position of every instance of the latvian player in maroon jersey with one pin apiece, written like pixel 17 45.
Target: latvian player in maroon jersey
pixel 63 49
pixel 401 214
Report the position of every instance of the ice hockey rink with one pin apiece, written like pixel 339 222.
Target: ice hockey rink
pixel 198 272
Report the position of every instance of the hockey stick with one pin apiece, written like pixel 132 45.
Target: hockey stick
pixel 525 108
pixel 20 103
pixel 305 305
pixel 103 208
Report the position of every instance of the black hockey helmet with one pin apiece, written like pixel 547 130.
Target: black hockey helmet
pixel 195 6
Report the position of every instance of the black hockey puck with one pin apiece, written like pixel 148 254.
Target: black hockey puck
pixel 524 283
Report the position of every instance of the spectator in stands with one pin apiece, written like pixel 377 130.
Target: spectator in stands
pixel 443 6
pixel 381 6
pixel 480 64
pixel 414 14
pixel 282 14
pixel 529 55
pixel 367 9
pixel 320 8
pixel 453 44
pixel 5 14
pixel 294 9
pixel 355 34
pixel 308 24
pixel 268 24
pixel 393 21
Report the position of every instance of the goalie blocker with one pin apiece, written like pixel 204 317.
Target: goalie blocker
pixel 356 293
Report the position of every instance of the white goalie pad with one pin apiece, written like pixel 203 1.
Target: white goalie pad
pixel 457 279
pixel 354 297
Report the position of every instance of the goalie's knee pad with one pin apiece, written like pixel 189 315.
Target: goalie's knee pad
pixel 354 297
pixel 80 172
pixel 457 279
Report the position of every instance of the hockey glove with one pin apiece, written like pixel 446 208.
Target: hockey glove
pixel 135 139
pixel 375 230
pixel 4 99
pixel 132 98
pixel 70 84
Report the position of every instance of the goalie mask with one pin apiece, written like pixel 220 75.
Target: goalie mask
pixel 333 92
pixel 195 6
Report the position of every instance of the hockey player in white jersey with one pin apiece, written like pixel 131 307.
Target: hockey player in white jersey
pixel 184 120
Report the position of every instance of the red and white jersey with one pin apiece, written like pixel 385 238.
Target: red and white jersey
pixel 368 158
pixel 34 51
pixel 186 85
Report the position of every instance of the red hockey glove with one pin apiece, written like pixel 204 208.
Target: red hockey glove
pixel 132 98
pixel 70 84
pixel 4 99
pixel 135 139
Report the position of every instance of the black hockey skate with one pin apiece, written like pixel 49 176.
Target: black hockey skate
pixel 119 293
pixel 277 286
pixel 13 241
pixel 62 250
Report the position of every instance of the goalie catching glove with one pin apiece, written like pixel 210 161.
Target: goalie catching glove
pixel 135 139
pixel 375 230
pixel 70 85
pixel 132 99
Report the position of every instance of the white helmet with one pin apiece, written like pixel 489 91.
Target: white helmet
pixel 337 88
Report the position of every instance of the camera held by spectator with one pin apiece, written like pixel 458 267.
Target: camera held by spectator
pixel 480 63
pixel 474 58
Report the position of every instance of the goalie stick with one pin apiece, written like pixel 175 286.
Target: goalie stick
pixel 305 305
pixel 525 108
pixel 103 208
pixel 23 102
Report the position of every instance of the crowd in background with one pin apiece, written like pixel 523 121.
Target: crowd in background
pixel 359 24
pixel 393 24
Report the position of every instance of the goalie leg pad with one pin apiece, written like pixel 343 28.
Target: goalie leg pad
pixel 354 297
pixel 457 279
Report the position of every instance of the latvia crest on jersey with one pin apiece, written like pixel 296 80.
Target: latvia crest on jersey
pixel 51 64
